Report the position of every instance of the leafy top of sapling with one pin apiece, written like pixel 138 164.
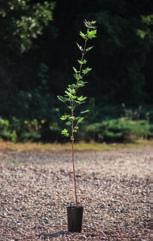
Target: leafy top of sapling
pixel 72 99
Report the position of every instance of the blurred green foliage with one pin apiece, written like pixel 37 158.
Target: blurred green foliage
pixel 111 130
pixel 118 130
pixel 37 54
pixel 22 21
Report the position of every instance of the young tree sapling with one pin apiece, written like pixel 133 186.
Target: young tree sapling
pixel 72 99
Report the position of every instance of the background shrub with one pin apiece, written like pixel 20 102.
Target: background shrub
pixel 118 130
pixel 102 124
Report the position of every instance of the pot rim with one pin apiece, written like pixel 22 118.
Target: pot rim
pixel 75 206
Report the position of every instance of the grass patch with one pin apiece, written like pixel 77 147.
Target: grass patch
pixel 81 146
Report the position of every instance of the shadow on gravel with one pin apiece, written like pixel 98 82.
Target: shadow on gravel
pixel 58 234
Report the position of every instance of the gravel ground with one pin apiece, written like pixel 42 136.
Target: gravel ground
pixel 114 188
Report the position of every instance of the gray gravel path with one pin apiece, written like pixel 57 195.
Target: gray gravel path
pixel 114 187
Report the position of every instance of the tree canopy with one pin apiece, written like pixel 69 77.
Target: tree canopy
pixel 37 44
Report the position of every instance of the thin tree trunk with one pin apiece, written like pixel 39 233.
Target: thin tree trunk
pixel 73 160
pixel 74 175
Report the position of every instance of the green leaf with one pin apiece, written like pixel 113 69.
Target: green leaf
pixel 76 128
pixel 68 123
pixel 65 132
pixel 62 98
pixel 80 119
pixel 80 100
pixel 77 76
pixel 83 35
pixel 72 86
pixel 81 83
pixel 90 24
pixel 85 111
pixel 80 47
pixel 75 70
pixel 64 117
pixel 91 33
pixel 86 70
pixel 148 19
pixel 70 95
pixel 71 90
pixel 82 61
pixel 141 33
pixel 72 118
pixel 89 48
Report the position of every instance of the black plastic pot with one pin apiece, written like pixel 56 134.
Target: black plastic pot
pixel 74 217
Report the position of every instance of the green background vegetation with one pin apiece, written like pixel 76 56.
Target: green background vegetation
pixel 38 50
